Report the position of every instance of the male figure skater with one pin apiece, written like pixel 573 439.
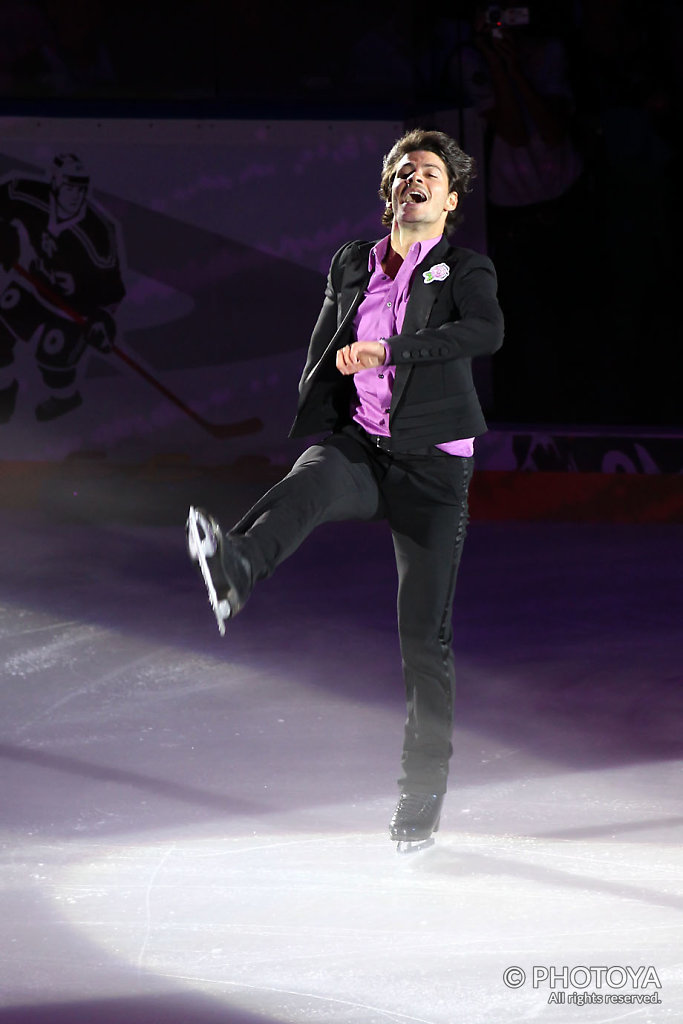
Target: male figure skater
pixel 388 378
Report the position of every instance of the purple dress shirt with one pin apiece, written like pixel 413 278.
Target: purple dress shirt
pixel 380 315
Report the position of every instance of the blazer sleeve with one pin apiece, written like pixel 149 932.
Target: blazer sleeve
pixel 471 319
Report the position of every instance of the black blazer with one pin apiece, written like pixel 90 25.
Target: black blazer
pixel 446 324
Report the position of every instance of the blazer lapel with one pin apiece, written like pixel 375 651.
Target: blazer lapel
pixel 354 283
pixel 422 298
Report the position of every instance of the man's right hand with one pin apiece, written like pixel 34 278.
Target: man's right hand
pixel 361 355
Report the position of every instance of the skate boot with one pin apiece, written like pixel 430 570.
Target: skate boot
pixel 57 405
pixel 416 817
pixel 225 571
pixel 8 400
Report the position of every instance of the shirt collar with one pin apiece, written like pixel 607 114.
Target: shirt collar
pixel 417 252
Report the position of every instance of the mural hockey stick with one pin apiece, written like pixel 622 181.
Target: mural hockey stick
pixel 236 429
pixel 218 430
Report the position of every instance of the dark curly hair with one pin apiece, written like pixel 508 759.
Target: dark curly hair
pixel 461 167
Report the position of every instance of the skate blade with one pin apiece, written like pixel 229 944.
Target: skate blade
pixel 199 549
pixel 196 543
pixel 406 846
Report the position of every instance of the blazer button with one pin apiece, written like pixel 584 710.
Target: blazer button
pixel 424 351
pixel 405 354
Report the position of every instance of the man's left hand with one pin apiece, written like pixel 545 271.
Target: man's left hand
pixel 361 355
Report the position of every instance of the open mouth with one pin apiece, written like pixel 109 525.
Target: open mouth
pixel 415 197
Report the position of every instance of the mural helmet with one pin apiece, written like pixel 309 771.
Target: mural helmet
pixel 70 182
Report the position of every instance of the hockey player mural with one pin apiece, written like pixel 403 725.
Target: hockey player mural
pixel 62 286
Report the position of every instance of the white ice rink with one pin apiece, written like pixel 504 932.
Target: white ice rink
pixel 195 830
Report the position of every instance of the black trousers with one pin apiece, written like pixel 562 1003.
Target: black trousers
pixel 423 497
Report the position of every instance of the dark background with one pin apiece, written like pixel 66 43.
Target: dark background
pixel 614 319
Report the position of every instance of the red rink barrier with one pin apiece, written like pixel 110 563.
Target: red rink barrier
pixel 577 497
pixel 495 495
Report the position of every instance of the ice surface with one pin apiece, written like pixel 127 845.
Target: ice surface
pixel 196 830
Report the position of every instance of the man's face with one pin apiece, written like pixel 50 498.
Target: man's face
pixel 420 194
pixel 70 198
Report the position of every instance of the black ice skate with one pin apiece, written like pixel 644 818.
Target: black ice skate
pixel 57 405
pixel 415 819
pixel 226 573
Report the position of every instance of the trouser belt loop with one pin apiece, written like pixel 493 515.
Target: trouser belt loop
pixel 380 441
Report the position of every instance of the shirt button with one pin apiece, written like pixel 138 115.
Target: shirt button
pixel 381 376
pixel 388 305
pixel 381 423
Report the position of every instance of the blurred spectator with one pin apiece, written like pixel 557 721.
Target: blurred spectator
pixel 74 60
pixel 23 30
pixel 380 65
pixel 439 46
pixel 627 65
pixel 176 50
pixel 537 205
pixel 263 58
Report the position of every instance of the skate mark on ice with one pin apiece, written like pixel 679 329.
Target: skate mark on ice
pixel 391 1015
pixel 9 634
pixel 49 655
pixel 85 691
pixel 148 904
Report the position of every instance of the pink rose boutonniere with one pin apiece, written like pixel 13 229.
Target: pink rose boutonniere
pixel 437 273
